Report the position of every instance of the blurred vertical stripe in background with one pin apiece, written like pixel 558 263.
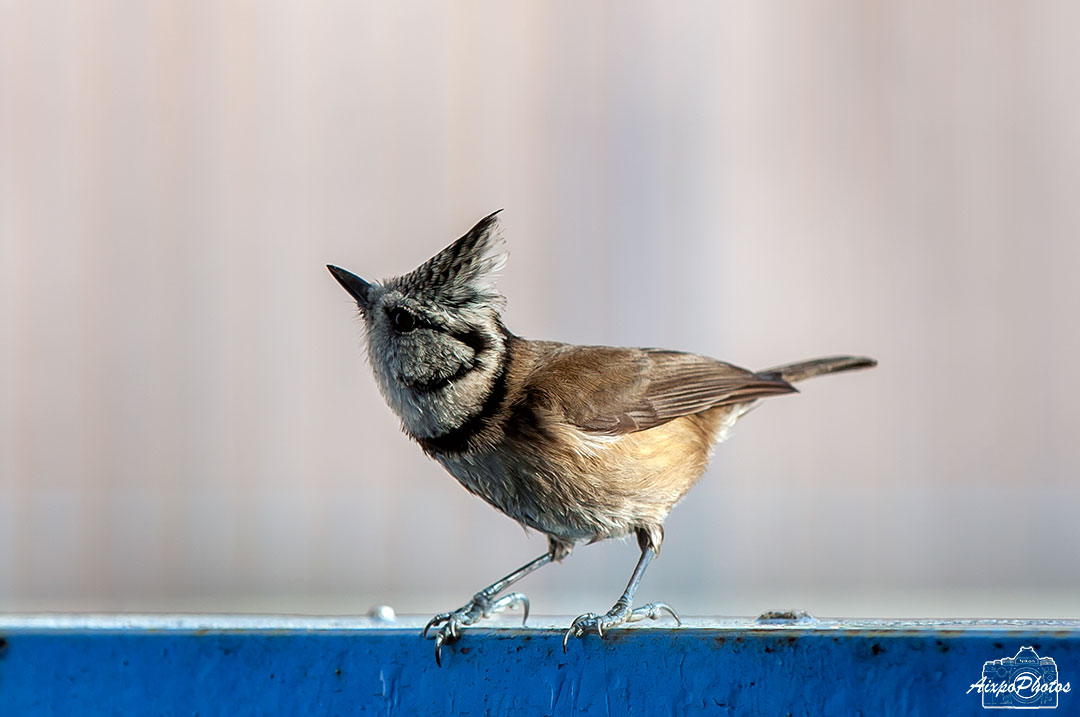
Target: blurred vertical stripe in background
pixel 186 418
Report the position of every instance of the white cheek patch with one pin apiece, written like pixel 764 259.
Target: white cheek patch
pixel 427 414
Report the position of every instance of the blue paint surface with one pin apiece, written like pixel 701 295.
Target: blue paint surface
pixel 209 666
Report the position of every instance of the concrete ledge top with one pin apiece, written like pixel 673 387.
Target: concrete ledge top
pixel 537 623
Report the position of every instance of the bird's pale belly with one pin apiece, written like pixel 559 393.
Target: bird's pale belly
pixel 576 486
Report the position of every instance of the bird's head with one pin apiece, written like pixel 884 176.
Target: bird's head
pixel 435 338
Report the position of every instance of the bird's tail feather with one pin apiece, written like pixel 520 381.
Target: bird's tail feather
pixel 793 372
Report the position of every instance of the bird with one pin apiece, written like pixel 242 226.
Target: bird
pixel 579 443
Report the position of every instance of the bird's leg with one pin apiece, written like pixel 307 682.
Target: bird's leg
pixel 484 604
pixel 621 612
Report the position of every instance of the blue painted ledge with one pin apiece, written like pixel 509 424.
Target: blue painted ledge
pixel 231 665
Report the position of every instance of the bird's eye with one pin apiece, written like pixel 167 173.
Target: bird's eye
pixel 402 320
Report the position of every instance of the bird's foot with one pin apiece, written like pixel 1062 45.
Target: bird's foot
pixel 621 613
pixel 448 624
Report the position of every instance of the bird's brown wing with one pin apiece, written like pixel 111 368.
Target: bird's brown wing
pixel 612 391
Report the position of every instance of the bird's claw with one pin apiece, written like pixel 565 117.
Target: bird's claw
pixel 441 617
pixel 618 615
pixel 580 625
pixel 448 624
pixel 439 640
pixel 654 611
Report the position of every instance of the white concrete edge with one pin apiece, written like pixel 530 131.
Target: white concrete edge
pixel 276 623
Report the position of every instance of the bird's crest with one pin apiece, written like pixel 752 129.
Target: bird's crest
pixel 462 273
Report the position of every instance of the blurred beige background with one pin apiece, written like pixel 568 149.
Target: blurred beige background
pixel 186 420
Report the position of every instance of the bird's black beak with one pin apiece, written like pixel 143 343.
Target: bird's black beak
pixel 357 287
